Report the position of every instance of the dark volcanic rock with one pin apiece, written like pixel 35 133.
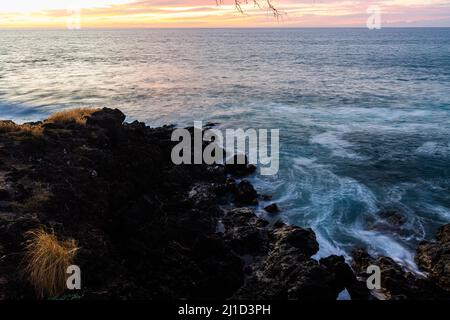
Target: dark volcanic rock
pixel 434 257
pixel 245 194
pixel 148 229
pixel 396 283
pixel 272 208
pixel 387 220
pixel 239 166
pixel 281 266
pixel 106 118
pixel 245 232
pixel 343 276
pixel 145 227
pixel 303 239
pixel 110 120
pixel 393 217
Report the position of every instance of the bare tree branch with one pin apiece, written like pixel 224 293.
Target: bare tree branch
pixel 257 3
pixel 275 12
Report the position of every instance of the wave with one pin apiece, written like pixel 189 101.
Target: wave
pixel 339 209
pixel 382 244
pixel 440 212
pixel 431 148
pixel 338 146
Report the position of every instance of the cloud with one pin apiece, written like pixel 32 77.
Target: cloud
pixel 205 13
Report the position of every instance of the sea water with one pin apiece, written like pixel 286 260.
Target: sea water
pixel 364 115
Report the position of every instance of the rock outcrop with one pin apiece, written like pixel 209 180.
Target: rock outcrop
pixel 149 229
pixel 434 257
pixel 146 228
pixel 278 263
pixel 396 282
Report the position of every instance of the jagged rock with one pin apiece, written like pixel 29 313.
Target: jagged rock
pixel 344 277
pixel 272 208
pixel 388 221
pixel 106 118
pixel 203 195
pixel 230 185
pixel 434 257
pixel 281 267
pixel 299 238
pixel 266 197
pixel 443 234
pixel 240 166
pixel 136 126
pixel 287 273
pixel 110 120
pixel 245 232
pixel 397 283
pixel 245 194
pixel 393 217
pixel 147 228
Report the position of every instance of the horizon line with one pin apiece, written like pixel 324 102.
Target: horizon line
pixel 212 28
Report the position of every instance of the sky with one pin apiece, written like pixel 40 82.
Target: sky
pixel 206 13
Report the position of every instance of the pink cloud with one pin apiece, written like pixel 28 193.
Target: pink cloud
pixel 318 13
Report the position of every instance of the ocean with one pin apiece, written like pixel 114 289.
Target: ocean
pixel 364 115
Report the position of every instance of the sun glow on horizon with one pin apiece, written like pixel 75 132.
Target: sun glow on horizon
pixel 205 13
pixel 30 6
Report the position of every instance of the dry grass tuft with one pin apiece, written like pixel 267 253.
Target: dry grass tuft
pixel 35 131
pixel 7 126
pixel 77 115
pixel 46 261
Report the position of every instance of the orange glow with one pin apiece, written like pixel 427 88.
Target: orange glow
pixel 205 13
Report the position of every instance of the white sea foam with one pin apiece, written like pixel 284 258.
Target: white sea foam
pixel 301 161
pixel 381 244
pixel 326 190
pixel 396 192
pixel 339 146
pixel 441 211
pixel 327 248
pixel 432 148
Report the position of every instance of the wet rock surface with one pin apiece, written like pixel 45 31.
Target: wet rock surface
pixel 396 282
pixel 148 229
pixel 239 166
pixel 272 208
pixel 245 194
pixel 389 221
pixel 434 257
pixel 285 269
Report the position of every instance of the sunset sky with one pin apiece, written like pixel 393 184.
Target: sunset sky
pixel 205 13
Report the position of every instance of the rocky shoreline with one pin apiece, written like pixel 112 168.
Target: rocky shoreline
pixel 148 229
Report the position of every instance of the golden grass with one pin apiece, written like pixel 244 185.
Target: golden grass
pixel 45 262
pixel 78 115
pixel 11 127
pixel 8 126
